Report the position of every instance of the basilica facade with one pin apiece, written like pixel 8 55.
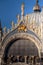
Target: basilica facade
pixel 23 43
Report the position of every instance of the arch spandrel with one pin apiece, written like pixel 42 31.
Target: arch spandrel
pixel 15 31
pixel 31 33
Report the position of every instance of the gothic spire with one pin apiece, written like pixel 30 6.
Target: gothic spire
pixel 36 8
pixel 22 11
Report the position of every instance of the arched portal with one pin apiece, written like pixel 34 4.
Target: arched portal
pixel 20 46
pixel 17 50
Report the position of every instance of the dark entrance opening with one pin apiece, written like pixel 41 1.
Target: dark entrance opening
pixel 20 50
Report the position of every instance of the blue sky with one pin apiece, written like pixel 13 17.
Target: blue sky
pixel 10 8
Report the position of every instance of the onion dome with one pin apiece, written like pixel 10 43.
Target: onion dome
pixel 36 8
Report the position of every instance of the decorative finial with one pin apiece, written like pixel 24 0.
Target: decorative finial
pixel 12 23
pixel 26 17
pixel 8 30
pixel 22 13
pixel 18 16
pixel 5 30
pixel 36 8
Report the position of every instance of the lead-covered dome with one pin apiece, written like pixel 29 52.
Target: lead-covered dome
pixel 36 7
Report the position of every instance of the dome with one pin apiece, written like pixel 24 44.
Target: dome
pixel 36 7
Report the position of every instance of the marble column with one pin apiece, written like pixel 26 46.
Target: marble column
pixel 32 60
pixel 25 58
pixel 18 58
pixel 0 59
